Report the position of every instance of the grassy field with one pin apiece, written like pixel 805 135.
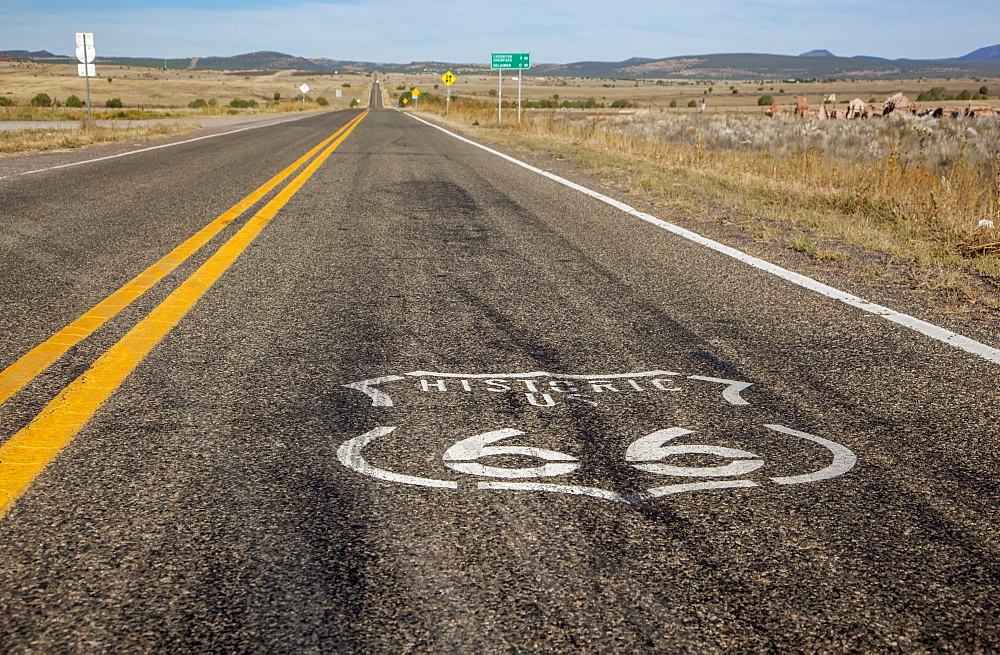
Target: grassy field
pixel 657 95
pixel 897 202
pixel 173 90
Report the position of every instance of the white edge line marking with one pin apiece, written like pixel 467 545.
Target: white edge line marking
pixel 136 152
pixel 843 458
pixel 350 456
pixel 923 327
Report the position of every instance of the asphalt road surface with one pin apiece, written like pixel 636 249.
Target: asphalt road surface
pixel 566 429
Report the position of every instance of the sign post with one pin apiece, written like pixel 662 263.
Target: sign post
pixel 416 98
pixel 304 89
pixel 448 79
pixel 86 54
pixel 511 61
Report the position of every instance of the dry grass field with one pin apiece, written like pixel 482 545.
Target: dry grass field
pixel 657 95
pixel 150 88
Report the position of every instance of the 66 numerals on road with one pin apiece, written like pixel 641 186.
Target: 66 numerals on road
pixel 649 453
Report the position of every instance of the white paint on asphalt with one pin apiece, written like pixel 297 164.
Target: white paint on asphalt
pixel 645 454
pixel 574 490
pixel 151 148
pixel 923 327
pixel 367 387
pixel 579 391
pixel 843 458
pixel 350 456
pixel 460 457
pixel 671 489
pixel 733 388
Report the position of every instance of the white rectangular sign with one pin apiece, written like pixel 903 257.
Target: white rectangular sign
pixel 86 70
pixel 84 38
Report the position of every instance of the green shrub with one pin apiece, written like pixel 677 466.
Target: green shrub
pixel 6 102
pixel 964 95
pixel 75 102
pixel 197 103
pixel 935 94
pixel 693 103
pixel 765 100
pixel 354 103
pixel 345 84
pixel 618 104
pixel 239 103
pixel 212 102
pixel 983 91
pixel 41 100
pixel 277 96
pixel 113 103
pixel 322 102
pixel 673 103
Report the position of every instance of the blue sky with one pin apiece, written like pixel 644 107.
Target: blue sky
pixel 556 31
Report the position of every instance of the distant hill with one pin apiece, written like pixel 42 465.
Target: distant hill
pixel 753 66
pixel 817 64
pixel 989 53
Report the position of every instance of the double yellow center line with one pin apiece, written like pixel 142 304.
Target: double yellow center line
pixel 31 449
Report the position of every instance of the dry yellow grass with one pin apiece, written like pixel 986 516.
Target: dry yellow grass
pixel 656 95
pixel 156 88
pixel 18 141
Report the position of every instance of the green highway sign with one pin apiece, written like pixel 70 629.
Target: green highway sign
pixel 516 60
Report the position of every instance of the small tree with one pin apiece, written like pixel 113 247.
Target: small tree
pixel 693 103
pixel 277 96
pixel 673 103
pixel 41 100
pixel 74 102
pixel 197 103
pixel 964 95
pixel 765 100
pixel 113 103
pixel 6 102
pixel 322 101
pixel 354 103
pixel 983 91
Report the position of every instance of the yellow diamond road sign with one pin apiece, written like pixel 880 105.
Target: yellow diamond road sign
pixel 448 78
pixel 415 93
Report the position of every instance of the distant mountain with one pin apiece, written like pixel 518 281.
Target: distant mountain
pixel 752 66
pixel 817 64
pixel 989 53
pixel 38 54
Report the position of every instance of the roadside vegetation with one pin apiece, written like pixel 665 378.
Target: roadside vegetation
pixel 911 202
pixel 17 141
